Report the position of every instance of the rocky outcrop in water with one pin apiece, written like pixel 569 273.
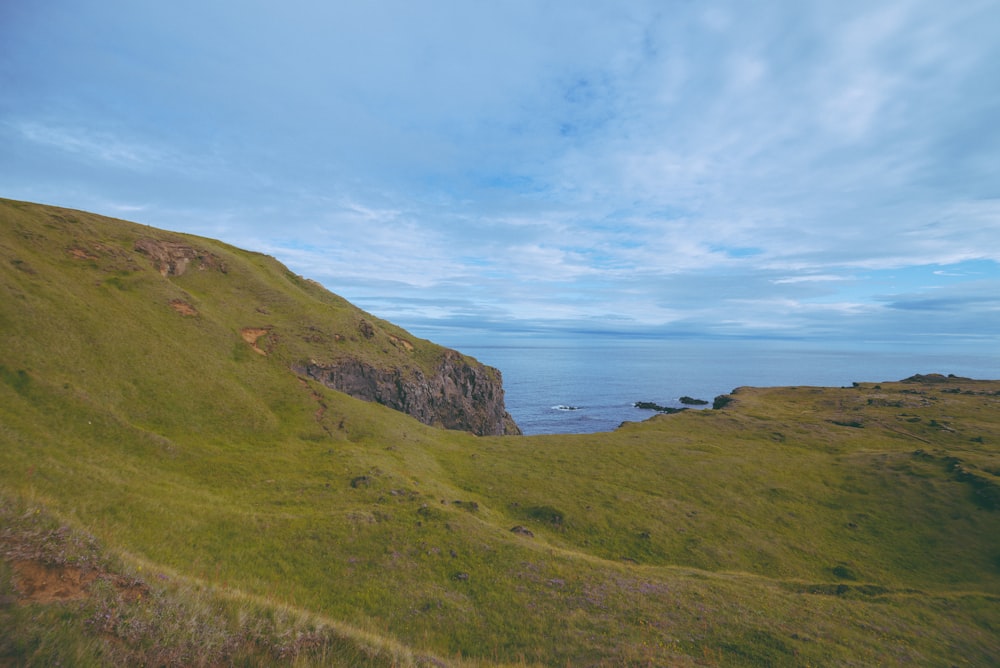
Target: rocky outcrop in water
pixel 652 406
pixel 460 394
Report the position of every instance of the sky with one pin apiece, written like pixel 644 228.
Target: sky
pixel 787 169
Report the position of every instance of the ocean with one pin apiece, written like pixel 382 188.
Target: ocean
pixel 590 384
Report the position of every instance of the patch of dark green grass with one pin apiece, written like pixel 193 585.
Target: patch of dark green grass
pixel 19 380
pixel 542 513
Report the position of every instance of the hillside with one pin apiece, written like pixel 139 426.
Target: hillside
pixel 128 302
pixel 181 484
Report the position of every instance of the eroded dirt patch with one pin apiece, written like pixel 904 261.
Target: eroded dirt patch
pixel 252 334
pixel 172 258
pixel 81 254
pixel 38 583
pixel 183 307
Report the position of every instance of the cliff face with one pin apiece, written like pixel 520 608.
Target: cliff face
pixel 460 394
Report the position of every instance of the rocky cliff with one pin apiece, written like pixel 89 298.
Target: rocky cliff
pixel 461 393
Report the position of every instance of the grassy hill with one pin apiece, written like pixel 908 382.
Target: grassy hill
pixel 171 495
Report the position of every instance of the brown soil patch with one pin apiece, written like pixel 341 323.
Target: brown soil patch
pixel 81 254
pixel 251 334
pixel 38 583
pixel 130 591
pixel 398 342
pixel 183 307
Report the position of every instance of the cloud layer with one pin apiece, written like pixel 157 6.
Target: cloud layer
pixel 763 169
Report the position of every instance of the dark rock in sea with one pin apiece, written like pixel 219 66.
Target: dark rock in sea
pixel 690 401
pixel 461 394
pixel 650 406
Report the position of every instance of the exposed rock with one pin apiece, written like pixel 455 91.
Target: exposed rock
pixel 366 329
pixel 461 393
pixel 173 258
pixel 691 401
pixel 651 406
pixel 722 401
pixel 401 343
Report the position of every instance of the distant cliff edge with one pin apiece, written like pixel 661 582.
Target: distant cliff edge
pixel 461 393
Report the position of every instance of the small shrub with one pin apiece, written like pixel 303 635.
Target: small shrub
pixel 361 481
pixel 546 514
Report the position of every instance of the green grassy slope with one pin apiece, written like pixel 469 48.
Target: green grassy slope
pixel 202 485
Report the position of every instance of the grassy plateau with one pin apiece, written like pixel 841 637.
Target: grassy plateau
pixel 173 493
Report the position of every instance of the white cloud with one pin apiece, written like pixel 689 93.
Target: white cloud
pixel 94 145
pixel 810 278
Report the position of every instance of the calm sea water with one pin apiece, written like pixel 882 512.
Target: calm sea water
pixel 583 385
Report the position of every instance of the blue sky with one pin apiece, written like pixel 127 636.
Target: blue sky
pixel 826 170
